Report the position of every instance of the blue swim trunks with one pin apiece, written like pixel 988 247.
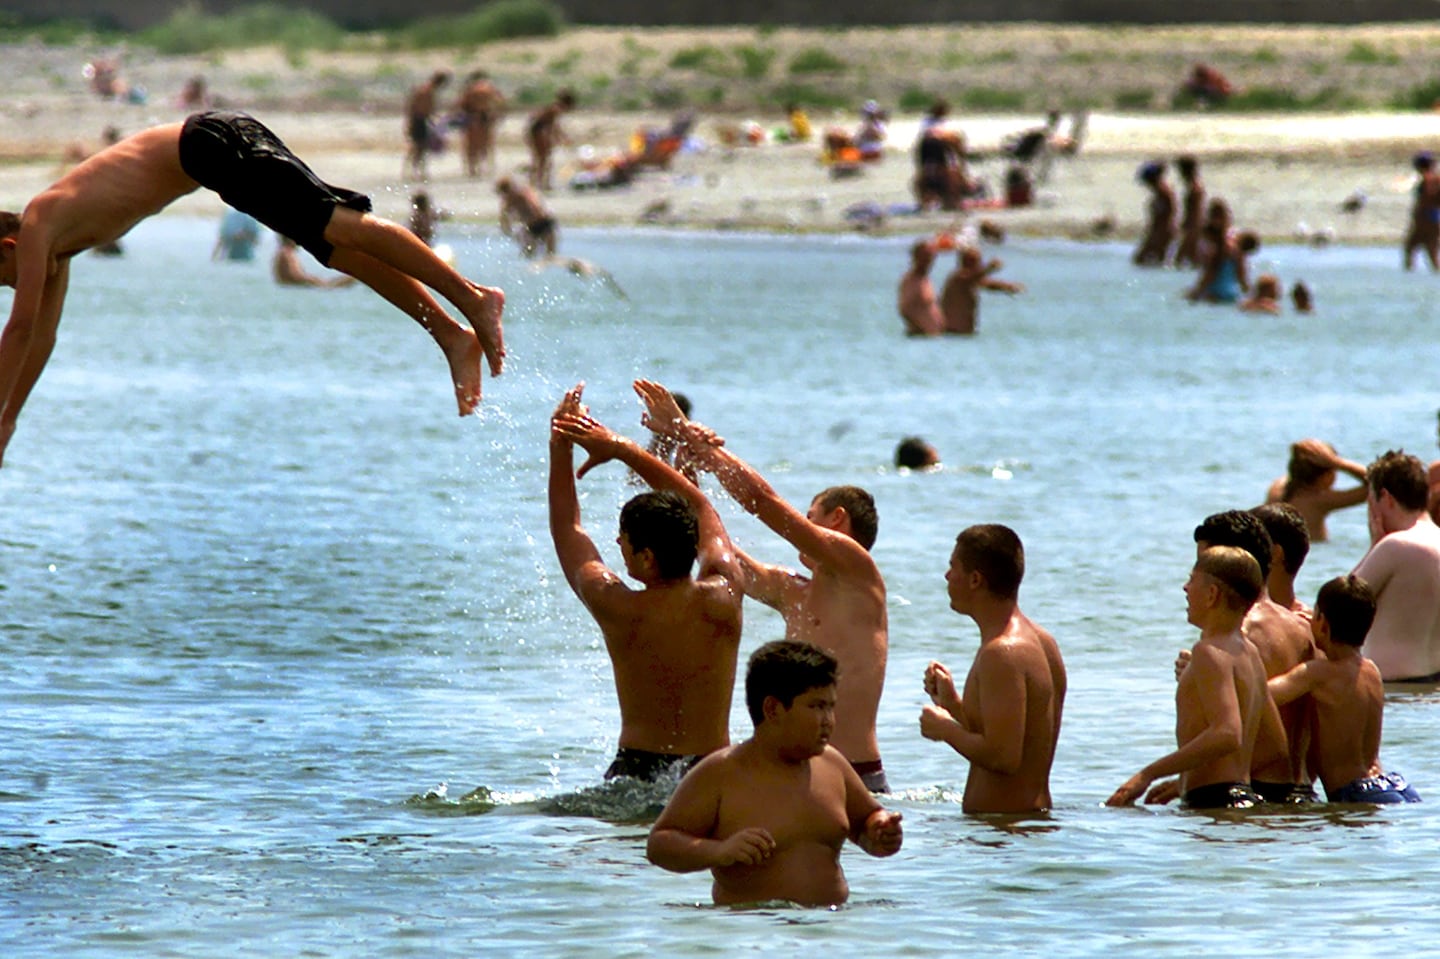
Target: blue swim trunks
pixel 1384 789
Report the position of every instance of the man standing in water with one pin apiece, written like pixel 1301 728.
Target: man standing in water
pixel 1424 231
pixel 1403 568
pixel 960 296
pixel 253 171
pixel 673 643
pixel 769 817
pixel 839 607
pixel 1008 723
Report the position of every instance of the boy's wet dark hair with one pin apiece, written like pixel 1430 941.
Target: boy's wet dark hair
pixel 995 552
pixel 1402 476
pixel 1347 603
pixel 566 98
pixel 664 523
pixel 1287 530
pixel 1236 572
pixel 1248 242
pixel 860 506
pixel 9 224
pixel 914 453
pixel 786 668
pixel 1236 527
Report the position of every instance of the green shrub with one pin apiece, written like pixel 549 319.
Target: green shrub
pixel 190 30
pixel 1135 98
pixel 816 60
pixel 755 61
pixel 1266 55
pixel 807 96
pixel 1422 97
pixel 989 98
pixel 1370 55
pixel 915 100
pixel 704 57
pixel 497 20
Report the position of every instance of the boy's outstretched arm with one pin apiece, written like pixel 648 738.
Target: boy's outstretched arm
pixel 579 559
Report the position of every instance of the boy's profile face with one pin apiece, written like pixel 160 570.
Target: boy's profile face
pixel 807 723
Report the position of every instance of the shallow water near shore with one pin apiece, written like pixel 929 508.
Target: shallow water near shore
pixel 291 668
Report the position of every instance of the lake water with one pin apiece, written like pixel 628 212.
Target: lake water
pixel 290 668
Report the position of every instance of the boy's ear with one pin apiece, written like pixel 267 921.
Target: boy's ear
pixel 770 707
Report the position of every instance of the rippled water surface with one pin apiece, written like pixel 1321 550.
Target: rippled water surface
pixel 290 668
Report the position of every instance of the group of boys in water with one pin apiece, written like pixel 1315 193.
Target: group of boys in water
pixel 1269 697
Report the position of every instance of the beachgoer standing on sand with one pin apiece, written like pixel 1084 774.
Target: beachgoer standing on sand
pixel 1008 722
pixel 1154 248
pixel 960 296
pixel 481 105
pixel 1425 214
pixel 542 136
pixel 769 817
pixel 673 643
pixel 419 107
pixel 1192 212
pixel 253 171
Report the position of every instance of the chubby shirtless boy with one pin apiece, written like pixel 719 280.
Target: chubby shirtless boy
pixel 239 158
pixel 674 642
pixel 768 817
pixel 839 606
pixel 1008 722
pixel 1221 699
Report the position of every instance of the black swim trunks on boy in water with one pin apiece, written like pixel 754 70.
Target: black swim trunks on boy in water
pixel 1222 796
pixel 250 167
pixel 647 766
pixel 1284 794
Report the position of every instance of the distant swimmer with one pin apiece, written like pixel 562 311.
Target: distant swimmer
pixel 916 299
pixel 960 297
pixel 1266 298
pixel 525 219
pixel 916 454
pixel 674 642
pixel 583 269
pixel 253 171
pixel 1424 233
pixel 769 816
pixel 1309 485
pixel 288 271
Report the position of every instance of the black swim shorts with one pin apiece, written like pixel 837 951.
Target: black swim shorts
pixel 239 158
pixel 647 766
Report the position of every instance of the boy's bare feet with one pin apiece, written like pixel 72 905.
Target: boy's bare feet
pixel 463 354
pixel 484 316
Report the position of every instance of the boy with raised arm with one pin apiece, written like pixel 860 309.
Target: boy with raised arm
pixel 1008 722
pixel 769 816
pixel 672 643
pixel 1348 696
pixel 239 158
pixel 1221 699
pixel 839 607
pixel 960 296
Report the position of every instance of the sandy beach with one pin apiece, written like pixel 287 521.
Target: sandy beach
pixel 1285 174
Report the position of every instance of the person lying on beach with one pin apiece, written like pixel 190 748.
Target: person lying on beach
pixel 1008 722
pixel 287 269
pixel 916 300
pixel 960 296
pixel 253 171
pixel 1347 698
pixel 840 605
pixel 1309 485
pixel 1221 699
pixel 1154 248
pixel 673 643
pixel 525 219
pixel 768 817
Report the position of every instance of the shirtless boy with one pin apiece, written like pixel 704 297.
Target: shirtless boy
pixel 1291 544
pixel 524 218
pixel 237 157
pixel 1221 698
pixel 418 108
pixel 542 136
pixel 1154 248
pixel 769 816
pixel 916 300
pixel 1008 723
pixel 1403 567
pixel 1282 637
pixel 960 297
pixel 839 606
pixel 673 643
pixel 1424 231
pixel 1348 698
